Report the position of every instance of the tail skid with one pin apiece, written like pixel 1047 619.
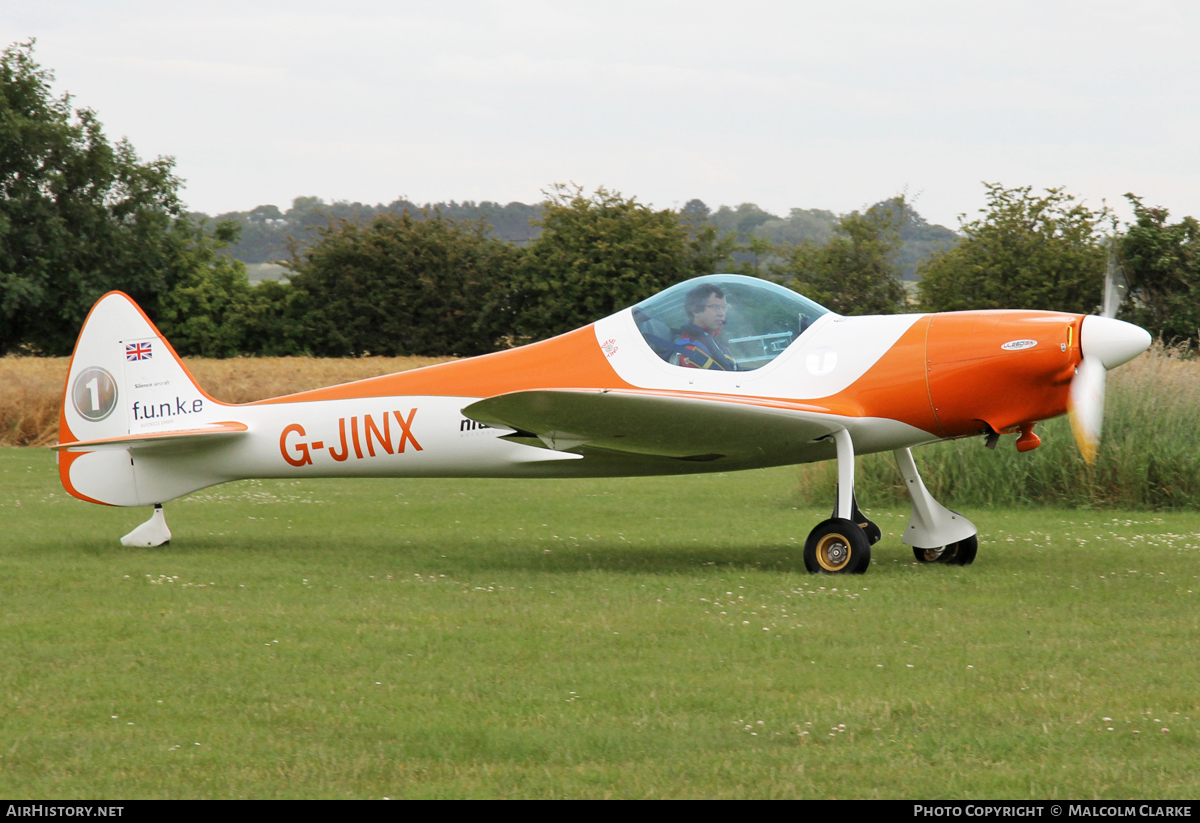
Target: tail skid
pixel 153 532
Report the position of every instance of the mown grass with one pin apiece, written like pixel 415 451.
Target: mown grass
pixel 629 638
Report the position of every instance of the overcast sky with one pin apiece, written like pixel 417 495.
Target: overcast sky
pixel 815 105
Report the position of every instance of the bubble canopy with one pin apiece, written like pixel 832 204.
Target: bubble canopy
pixel 724 322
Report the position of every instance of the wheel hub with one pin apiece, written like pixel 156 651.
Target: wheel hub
pixel 833 552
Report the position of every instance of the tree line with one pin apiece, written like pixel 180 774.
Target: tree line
pixel 268 233
pixel 80 215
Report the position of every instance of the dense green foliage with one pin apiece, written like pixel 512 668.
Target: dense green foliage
pixel 1027 251
pixel 597 255
pixel 398 286
pixel 1162 262
pixel 80 216
pixel 854 272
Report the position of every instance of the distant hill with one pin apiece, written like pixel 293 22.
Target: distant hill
pixel 266 229
pixel 919 238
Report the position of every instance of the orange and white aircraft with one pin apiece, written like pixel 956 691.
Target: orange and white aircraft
pixel 787 381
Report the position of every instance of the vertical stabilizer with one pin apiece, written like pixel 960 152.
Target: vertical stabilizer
pixel 124 379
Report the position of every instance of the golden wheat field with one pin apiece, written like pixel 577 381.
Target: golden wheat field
pixel 31 387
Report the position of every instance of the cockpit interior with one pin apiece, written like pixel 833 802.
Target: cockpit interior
pixel 727 322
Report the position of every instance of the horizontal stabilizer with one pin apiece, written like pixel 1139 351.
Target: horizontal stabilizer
pixel 650 423
pixel 180 437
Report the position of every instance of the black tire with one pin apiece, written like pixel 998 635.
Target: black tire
pixel 837 546
pixel 963 552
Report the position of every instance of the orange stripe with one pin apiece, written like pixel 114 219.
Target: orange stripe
pixel 895 387
pixel 569 361
pixel 226 427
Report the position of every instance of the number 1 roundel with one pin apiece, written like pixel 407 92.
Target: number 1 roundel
pixel 94 394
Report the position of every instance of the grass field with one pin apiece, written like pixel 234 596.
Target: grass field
pixel 626 638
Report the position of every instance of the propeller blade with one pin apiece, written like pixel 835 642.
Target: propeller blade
pixel 1115 284
pixel 1086 406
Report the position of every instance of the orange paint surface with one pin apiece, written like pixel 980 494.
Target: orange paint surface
pixel 569 361
pixel 895 387
pixel 973 380
pixel 224 427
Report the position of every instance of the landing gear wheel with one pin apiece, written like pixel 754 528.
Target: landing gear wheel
pixel 837 546
pixel 961 553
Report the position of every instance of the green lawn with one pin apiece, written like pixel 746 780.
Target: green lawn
pixel 626 638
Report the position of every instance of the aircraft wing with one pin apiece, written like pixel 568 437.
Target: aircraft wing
pixel 680 426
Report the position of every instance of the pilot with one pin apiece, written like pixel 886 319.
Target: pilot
pixel 696 344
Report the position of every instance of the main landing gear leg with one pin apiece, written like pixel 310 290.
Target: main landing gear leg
pixel 840 545
pixel 153 532
pixel 936 534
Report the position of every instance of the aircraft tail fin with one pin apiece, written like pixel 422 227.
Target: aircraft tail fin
pixel 125 384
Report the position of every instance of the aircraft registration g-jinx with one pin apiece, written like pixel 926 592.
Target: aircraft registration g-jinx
pixel 718 373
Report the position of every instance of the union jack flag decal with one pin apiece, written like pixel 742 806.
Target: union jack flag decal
pixel 138 351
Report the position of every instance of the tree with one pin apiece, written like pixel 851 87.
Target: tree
pixel 78 216
pixel 596 255
pixel 696 210
pixel 854 272
pixel 813 225
pixel 919 239
pixel 1162 262
pixel 398 285
pixel 1027 251
pixel 208 310
pixel 741 221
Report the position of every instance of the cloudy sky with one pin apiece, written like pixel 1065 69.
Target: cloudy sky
pixel 814 105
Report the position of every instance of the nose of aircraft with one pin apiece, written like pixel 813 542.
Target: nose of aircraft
pixel 1111 341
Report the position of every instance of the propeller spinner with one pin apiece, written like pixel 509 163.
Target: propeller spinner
pixel 1106 343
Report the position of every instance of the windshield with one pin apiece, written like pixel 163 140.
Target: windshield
pixel 726 322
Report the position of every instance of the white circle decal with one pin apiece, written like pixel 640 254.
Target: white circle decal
pixel 94 394
pixel 821 361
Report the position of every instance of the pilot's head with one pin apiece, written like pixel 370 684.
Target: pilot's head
pixel 706 307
